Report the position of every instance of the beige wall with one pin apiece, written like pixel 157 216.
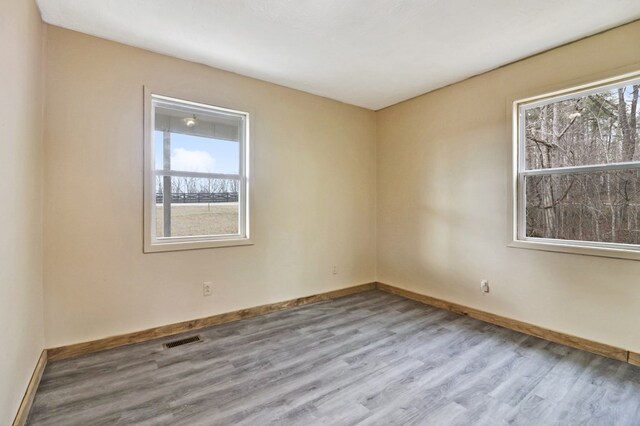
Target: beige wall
pixel 21 203
pixel 443 181
pixel 442 169
pixel 313 194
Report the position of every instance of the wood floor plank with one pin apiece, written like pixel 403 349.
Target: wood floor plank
pixel 368 358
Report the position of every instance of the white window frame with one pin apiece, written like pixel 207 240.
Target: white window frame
pixel 152 243
pixel 518 229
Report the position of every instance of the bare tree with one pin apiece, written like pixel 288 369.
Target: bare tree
pixel 597 129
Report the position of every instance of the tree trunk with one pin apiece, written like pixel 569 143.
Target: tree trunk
pixel 627 124
pixel 548 201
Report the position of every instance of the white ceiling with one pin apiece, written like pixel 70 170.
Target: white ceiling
pixel 371 53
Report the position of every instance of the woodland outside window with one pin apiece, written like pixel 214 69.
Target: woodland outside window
pixel 577 169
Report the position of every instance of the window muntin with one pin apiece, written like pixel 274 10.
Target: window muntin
pixel 578 162
pixel 196 175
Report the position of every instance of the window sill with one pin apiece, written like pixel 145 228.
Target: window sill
pixel 195 245
pixel 577 248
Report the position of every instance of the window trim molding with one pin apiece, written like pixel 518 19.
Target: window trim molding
pixel 150 243
pixel 516 185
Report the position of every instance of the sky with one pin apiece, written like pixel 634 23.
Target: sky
pixel 198 154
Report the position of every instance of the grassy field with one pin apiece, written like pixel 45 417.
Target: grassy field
pixel 199 219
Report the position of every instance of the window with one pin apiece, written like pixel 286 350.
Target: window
pixel 196 175
pixel 577 170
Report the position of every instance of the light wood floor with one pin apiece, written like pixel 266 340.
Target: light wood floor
pixel 370 358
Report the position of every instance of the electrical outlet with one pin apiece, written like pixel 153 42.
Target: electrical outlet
pixel 207 288
pixel 484 286
pixel 334 270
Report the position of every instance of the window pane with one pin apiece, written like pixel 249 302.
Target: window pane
pixel 198 207
pixel 196 121
pixel 601 206
pixel 188 153
pixel 585 130
pixel 194 166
